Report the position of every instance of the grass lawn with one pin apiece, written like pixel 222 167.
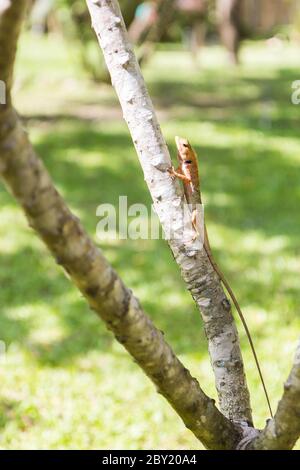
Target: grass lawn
pixel 64 381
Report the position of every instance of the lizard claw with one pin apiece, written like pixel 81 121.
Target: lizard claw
pixel 171 172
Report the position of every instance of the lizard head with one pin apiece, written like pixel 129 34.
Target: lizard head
pixel 184 149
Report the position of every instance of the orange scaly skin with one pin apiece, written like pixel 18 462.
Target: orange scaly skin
pixel 188 173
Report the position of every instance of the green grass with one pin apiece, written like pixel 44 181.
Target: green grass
pixel 65 382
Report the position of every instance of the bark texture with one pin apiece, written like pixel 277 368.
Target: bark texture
pixel 167 196
pixel 26 177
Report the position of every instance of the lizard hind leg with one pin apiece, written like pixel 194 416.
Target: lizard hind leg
pixel 194 224
pixel 178 174
pixel 198 231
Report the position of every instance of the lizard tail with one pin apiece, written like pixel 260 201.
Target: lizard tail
pixel 236 304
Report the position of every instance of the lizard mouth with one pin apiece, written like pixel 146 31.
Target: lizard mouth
pixel 181 144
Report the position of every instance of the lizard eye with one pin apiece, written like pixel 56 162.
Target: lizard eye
pixel 185 145
pixel 188 161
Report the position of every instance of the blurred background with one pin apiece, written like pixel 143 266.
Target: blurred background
pixel 221 74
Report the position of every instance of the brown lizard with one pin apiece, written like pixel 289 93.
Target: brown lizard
pixel 188 173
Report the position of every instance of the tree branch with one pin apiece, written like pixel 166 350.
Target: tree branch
pixel 282 432
pixel 106 294
pixel 11 15
pixel 167 196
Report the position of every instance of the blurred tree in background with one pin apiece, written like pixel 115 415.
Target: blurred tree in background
pixel 172 20
pixel 72 19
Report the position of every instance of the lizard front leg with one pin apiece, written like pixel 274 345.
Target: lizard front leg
pixel 178 174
